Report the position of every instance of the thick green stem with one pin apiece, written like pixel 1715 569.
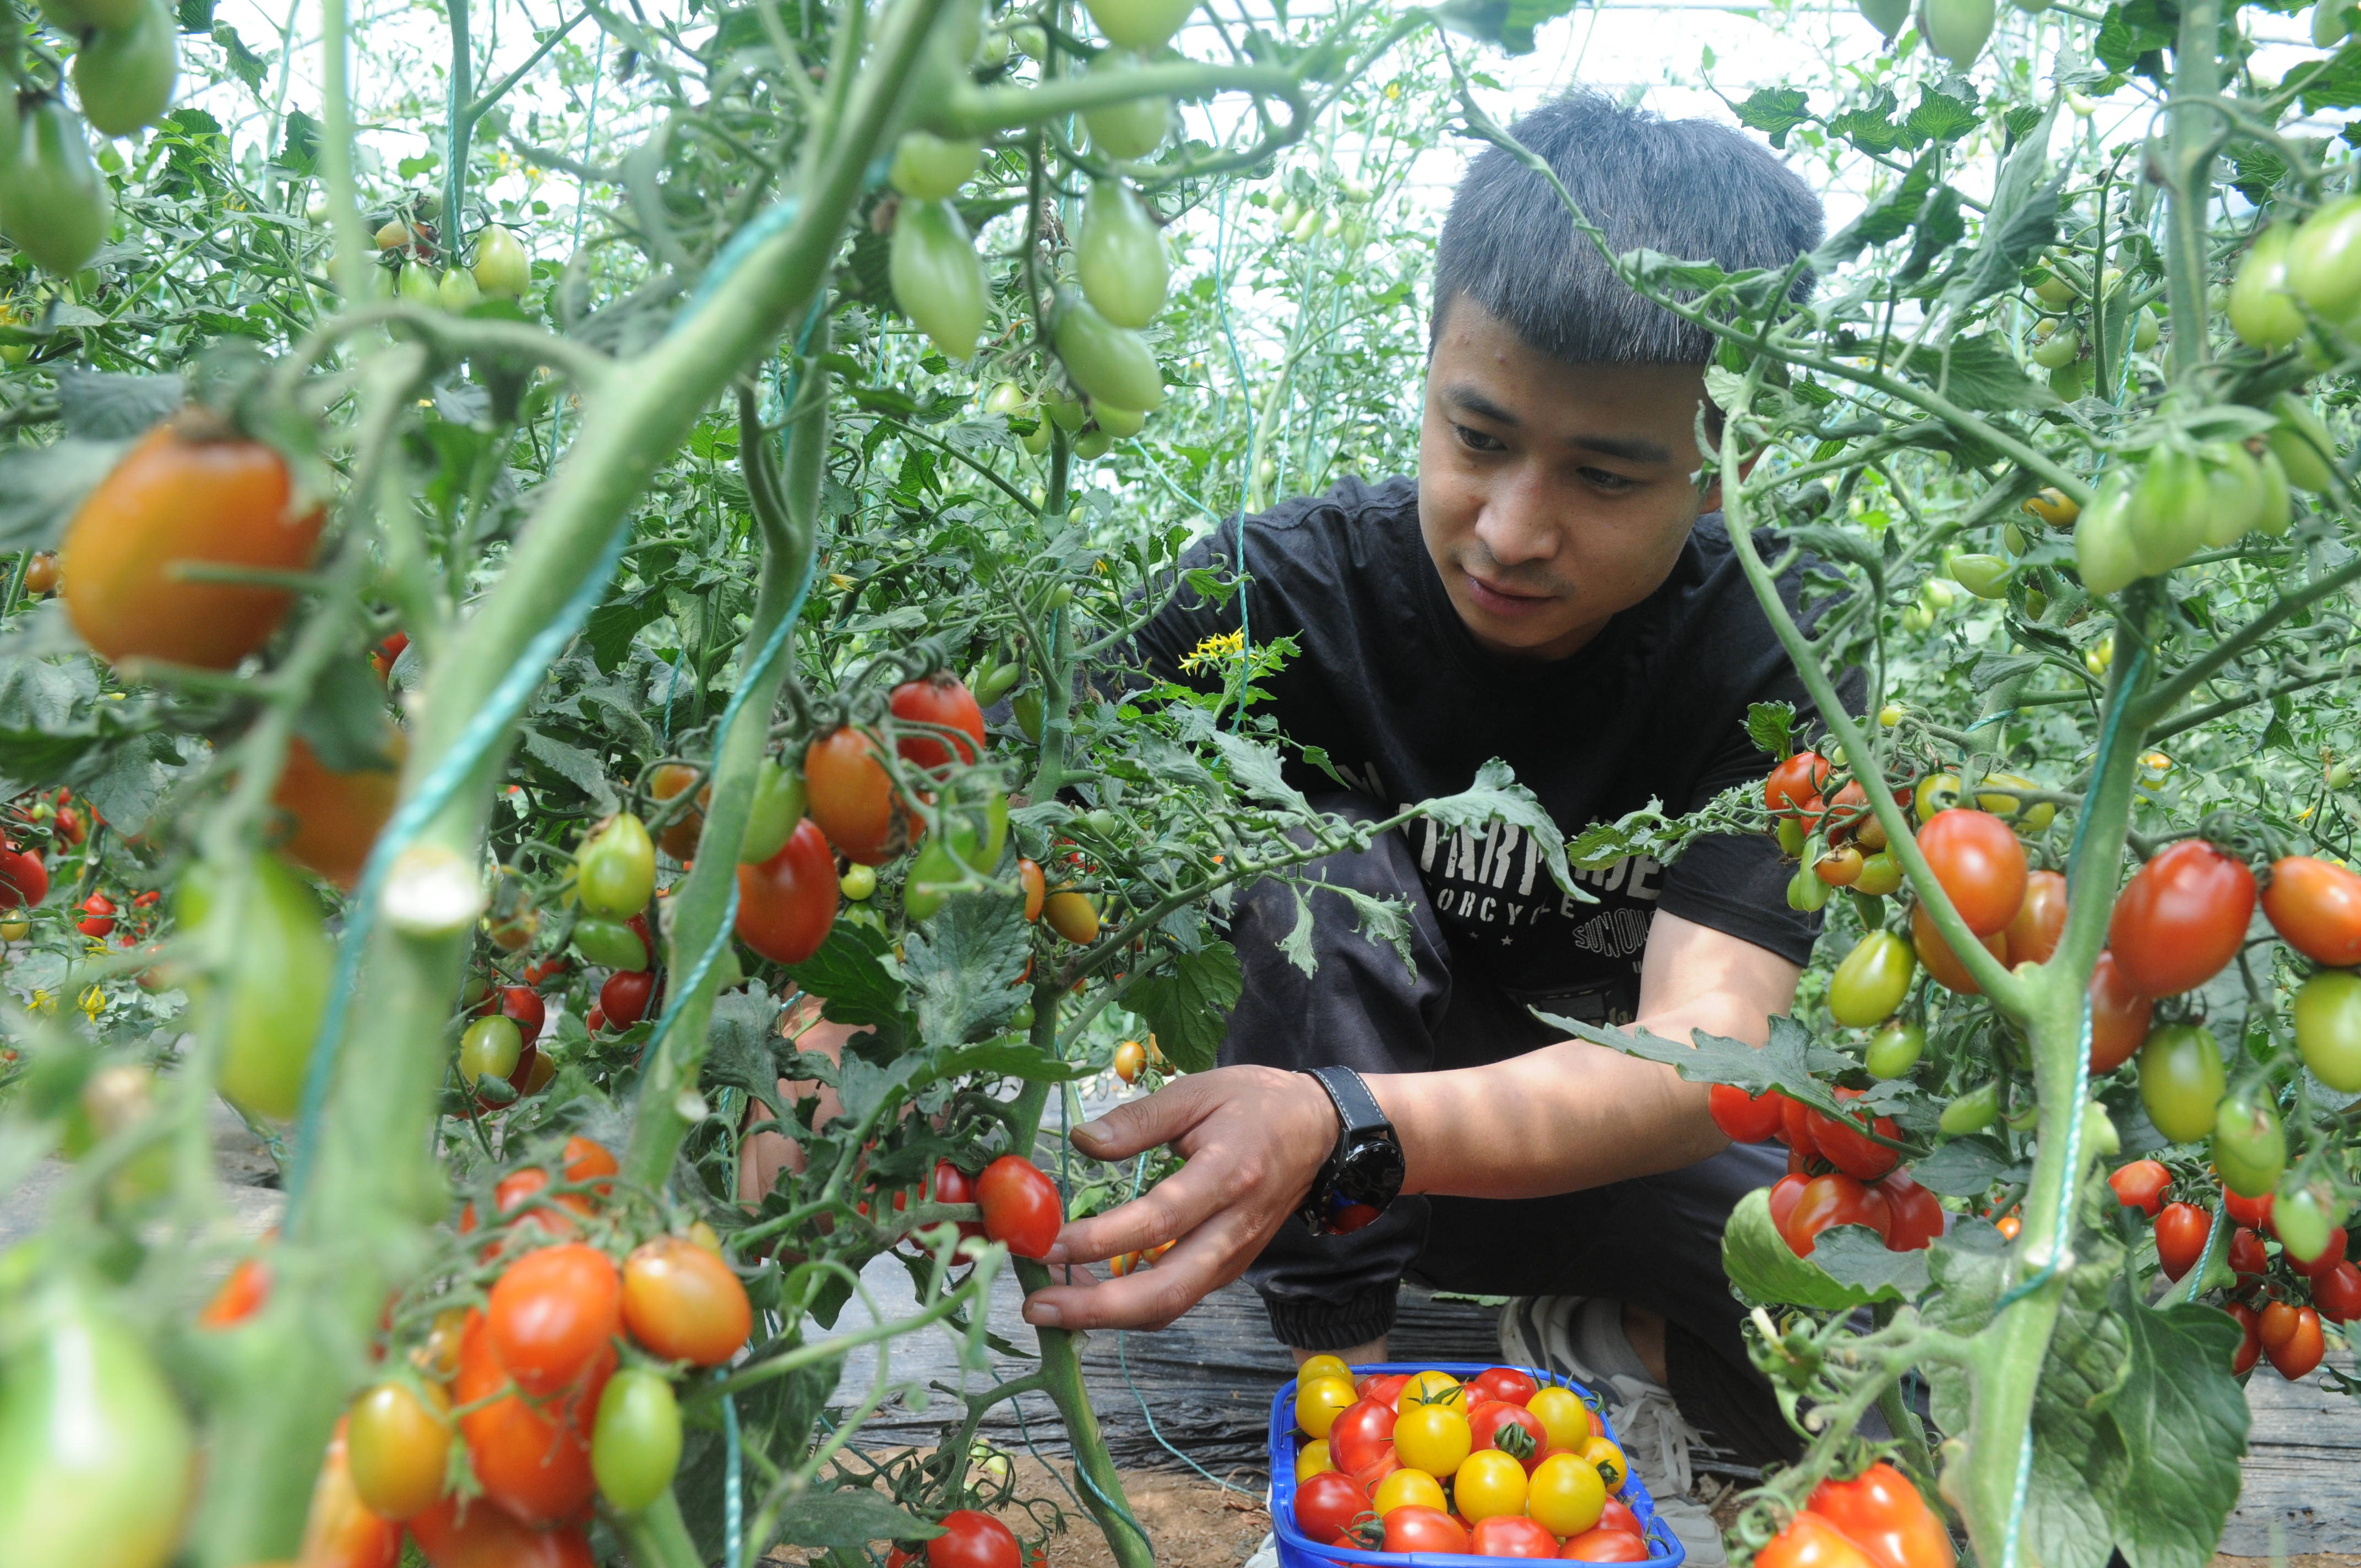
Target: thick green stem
pixel 458 129
pixel 2196 79
pixel 1062 1375
pixel 658 1537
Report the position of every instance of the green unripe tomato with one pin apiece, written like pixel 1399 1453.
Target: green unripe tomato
pixel 1986 576
pixel 2181 1080
pixel 859 882
pixel 771 820
pixel 420 286
pixel 1133 127
pixel 1806 892
pixel 934 877
pixel 53 205
pixel 2323 260
pixel 459 293
pixel 1067 413
pixel 2170 510
pixel 2057 291
pixel 636 1442
pixel 1886 16
pixel 2328 1027
pixel 2279 504
pixel 992 684
pixel 615 869
pixel 2144 330
pixel 502 270
pixel 124 76
pixel 1972 1112
pixel 2328 24
pixel 1023 1017
pixel 1026 708
pixel 2249 1142
pixel 1791 837
pixel 2058 347
pixel 270 1003
pixel 2301 1221
pixel 937 276
pixel 1872 980
pixel 2011 538
pixel 1142 25
pixel 929 167
pixel 2103 552
pixel 493 1046
pixel 2262 307
pixel 611 944
pixel 1109 363
pixel 1957 29
pixel 1120 424
pixel 1119 256
pixel 2305 448
pixel 1894 1051
pixel 1092 444
pixel 2099 1135
pixel 2071 382
pixel 2235 493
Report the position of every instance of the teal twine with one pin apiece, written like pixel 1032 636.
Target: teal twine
pixel 483 731
pixel 2062 1230
pixel 733 1498
pixel 770 221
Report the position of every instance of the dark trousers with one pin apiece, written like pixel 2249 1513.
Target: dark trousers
pixel 1655 1241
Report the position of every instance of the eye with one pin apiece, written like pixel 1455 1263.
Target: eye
pixel 1476 440
pixel 1612 483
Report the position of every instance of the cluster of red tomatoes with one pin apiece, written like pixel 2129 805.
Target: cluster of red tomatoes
pixel 557 1390
pixel 1877 1519
pixel 1500 1465
pixel 2310 1261
pixel 1021 1205
pixel 1866 1186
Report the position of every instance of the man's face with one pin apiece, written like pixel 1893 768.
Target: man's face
pixel 1551 495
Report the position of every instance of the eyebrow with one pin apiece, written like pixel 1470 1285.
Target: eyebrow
pixel 1630 449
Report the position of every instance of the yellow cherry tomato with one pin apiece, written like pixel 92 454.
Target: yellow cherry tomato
pixel 1566 1419
pixel 1937 792
pixel 1490 1483
pixel 1408 1488
pixel 1432 1438
pixel 1320 1401
pixel 1434 1388
pixel 1312 1459
pixel 1607 1460
pixel 1323 1367
pixel 1565 1496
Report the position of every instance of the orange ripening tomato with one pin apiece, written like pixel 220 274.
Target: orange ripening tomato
pixel 240 1296
pixel 1883 1515
pixel 943 700
pixel 1036 886
pixel 1795 785
pixel 533 1460
pixel 1940 961
pixel 1979 864
pixel 1812 1542
pixel 193 489
pixel 551 1313
pixel 680 835
pixel 683 1302
pixel 2040 920
pixel 333 818
pixel 2316 909
pixel 398 1444
pixel 851 795
pixel 474 1534
pixel 2119 1015
pixel 786 905
pixel 339 1531
pixel 2180 920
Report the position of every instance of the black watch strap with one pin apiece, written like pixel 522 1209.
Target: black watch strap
pixel 1362 1172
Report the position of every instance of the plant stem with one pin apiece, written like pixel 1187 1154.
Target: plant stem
pixel 458 129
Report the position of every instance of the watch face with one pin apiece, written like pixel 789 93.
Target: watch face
pixel 1371 1172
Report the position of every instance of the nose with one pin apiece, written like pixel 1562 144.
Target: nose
pixel 1519 520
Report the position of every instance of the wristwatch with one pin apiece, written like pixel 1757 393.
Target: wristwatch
pixel 1364 1172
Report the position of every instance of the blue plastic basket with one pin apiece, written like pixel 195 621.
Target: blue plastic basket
pixel 1297 1549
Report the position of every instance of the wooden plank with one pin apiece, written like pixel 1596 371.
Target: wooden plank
pixel 2302 1468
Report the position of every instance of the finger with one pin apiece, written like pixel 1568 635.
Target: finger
pixel 1174 1207
pixel 1202 1263
pixel 1150 1122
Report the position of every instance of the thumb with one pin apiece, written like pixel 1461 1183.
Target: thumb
pixel 1145 1123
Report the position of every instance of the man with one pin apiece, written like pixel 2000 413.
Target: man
pixel 1545 591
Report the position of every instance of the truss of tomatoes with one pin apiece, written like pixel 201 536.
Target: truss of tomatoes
pixel 558 1388
pixel 1838 1173
pixel 1451 1460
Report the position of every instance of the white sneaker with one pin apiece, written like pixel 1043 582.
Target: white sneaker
pixel 1264 1556
pixel 1582 1338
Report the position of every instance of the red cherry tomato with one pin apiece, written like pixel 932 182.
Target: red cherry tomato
pixel 1795 785
pixel 943 699
pixel 2140 1185
pixel 2254 1213
pixel 2180 920
pixel 1385 1388
pixel 1830 1201
pixel 1513 1535
pixel 1979 864
pixel 98 916
pixel 786 905
pixel 1021 1205
pixel 1512 1429
pixel 2291 1338
pixel 1850 1149
pixel 1619 1516
pixel 532 1458
pixel 1882 1513
pixel 339 1531
pixel 1918 1214
pixel 2336 1291
pixel 1599 1545
pixel 2247 1258
pixel 524 1004
pixel 972 1539
pixel 1505 1383
pixel 2040 920
pixel 1363 1431
pixel 2180 1231
pixel 1745 1118
pixel 552 1312
pixel 2250 1346
pixel 953 1185
pixel 1784 1193
pixel 2330 1255
pixel 2119 1015
pixel 1796 1126
pixel 1412 1528
pixel 1943 963
pixel 2316 908
pixel 474 1534
pixel 852 797
pixel 624 997
pixel 1328 1503
pixel 23 879
pixel 1811 1542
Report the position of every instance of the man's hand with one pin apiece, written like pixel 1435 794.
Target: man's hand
pixel 1253 1138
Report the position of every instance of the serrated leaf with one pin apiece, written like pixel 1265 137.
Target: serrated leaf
pixel 997 1059
pixel 1786 1063
pixel 1763 1270
pixel 1187 1004
pixel 848 1521
pixel 742 1044
pixel 1941 117
pixel 343 720
pixel 2180 1421
pixel 963 966
pixel 1254 767
pixel 1980 373
pixel 42 486
pixel 1775 111
pixel 849 973
pixel 1496 796
pixel 2023 219
pixel 1964 1168
pixel 1772 727
pixel 1852 1255
pixel 107 405
pixel 585 771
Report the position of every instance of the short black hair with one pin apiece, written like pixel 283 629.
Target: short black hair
pixel 1689 189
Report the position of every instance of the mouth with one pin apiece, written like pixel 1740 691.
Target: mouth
pixel 1501 601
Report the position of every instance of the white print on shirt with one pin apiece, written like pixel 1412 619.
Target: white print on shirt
pixel 1495 879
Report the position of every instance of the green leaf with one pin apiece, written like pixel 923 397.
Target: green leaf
pixel 423 163
pixel 1940 118
pixel 612 625
pixel 1187 1004
pixel 1852 1255
pixel 847 1521
pixel 2180 1426
pixel 1980 373
pixel 2331 84
pixel 1765 1271
pixel 244 63
pixel 42 486
pixel 848 970
pixel 1964 1168
pixel 1872 128
pixel 742 1044
pixel 963 966
pixel 342 718
pixel 2022 220
pixel 1776 111
pixel 1887 219
pixel 106 405
pixel 1772 727
pixel 298 153
pixel 1496 796
pixel 1254 768
pixel 997 1059
pixel 1786 1063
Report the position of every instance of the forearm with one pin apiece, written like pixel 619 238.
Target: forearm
pixel 1563 1118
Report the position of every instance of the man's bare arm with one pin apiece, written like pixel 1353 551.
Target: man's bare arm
pixel 1569 1116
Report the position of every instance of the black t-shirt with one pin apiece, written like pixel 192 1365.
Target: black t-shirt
pixel 1407 706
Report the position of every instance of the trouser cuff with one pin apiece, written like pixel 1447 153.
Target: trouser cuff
pixel 1333 1325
